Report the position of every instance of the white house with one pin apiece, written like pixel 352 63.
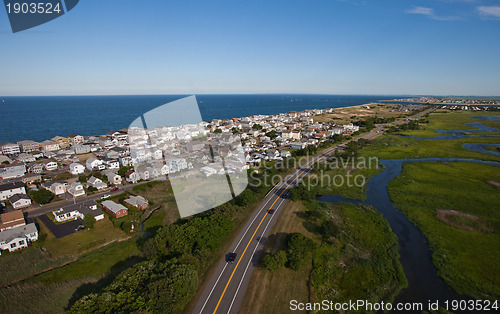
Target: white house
pixel 76 189
pixel 19 201
pixel 18 238
pixel 131 176
pixel 12 171
pixel 9 189
pixel 111 163
pixel 96 183
pixel 113 178
pixel 76 169
pixel 78 210
pixel 208 171
pixel 94 164
pixel 56 187
pixel 51 166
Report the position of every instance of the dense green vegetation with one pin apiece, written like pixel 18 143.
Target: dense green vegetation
pixel 348 256
pixel 298 252
pixel 457 210
pixel 354 257
pixel 41 196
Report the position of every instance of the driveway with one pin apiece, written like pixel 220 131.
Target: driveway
pixel 61 230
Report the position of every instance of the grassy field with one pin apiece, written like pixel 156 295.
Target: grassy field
pixel 457 210
pixel 361 262
pixel 348 114
pixel 357 257
pixel 79 242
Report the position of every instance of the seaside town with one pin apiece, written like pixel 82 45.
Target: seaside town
pixel 37 175
pixel 461 103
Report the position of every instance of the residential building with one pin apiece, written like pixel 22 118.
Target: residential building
pixel 25 157
pixel 116 210
pixel 49 146
pixel 28 146
pixel 96 183
pixel 18 238
pixel 11 171
pixel 51 166
pixel 113 178
pixel 9 189
pixel 30 178
pixel 63 142
pixel 35 168
pixel 137 201
pixel 76 168
pixel 78 210
pixel 76 189
pixel 11 220
pixel 20 201
pixel 81 149
pixel 10 148
pixel 75 139
pixel 94 164
pixel 56 187
pixel 131 176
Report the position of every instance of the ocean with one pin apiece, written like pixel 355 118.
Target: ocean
pixel 42 118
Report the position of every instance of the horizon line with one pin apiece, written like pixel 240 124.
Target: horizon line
pixel 278 93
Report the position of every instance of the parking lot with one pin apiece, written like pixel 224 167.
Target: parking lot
pixel 61 230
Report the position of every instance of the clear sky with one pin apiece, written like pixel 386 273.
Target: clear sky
pixel 438 47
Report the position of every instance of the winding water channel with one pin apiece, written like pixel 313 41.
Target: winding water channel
pixel 415 254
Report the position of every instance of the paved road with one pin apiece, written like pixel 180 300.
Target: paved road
pixel 42 210
pixel 225 290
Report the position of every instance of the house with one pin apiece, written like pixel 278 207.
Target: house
pixel 10 149
pixel 35 168
pixel 30 178
pixel 75 139
pixel 18 238
pixel 113 178
pixel 298 145
pixel 11 171
pixel 9 189
pixel 76 189
pixel 25 157
pixel 177 164
pixel 63 142
pixel 106 143
pixel 96 183
pixel 11 220
pixel 208 171
pixel 20 201
pixel 56 187
pixel 78 210
pixel 28 146
pixel 116 210
pixel 94 164
pixel 49 146
pixel 111 163
pixel 125 161
pixel 51 166
pixel 195 146
pixel 76 169
pixel 131 176
pixel 137 201
pixel 81 149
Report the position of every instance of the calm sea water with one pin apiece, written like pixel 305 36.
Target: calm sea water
pixel 41 118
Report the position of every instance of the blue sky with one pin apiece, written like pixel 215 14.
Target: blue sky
pixel 439 47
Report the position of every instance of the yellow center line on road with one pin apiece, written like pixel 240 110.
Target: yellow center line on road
pixel 265 215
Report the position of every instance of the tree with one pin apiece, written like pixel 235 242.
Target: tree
pixel 274 262
pixel 42 196
pixel 218 131
pixel 82 179
pixel 257 127
pixel 123 170
pixel 299 249
pixel 89 221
